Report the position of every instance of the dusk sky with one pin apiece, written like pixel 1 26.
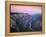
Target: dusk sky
pixel 26 9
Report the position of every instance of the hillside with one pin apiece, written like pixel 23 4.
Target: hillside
pixel 23 22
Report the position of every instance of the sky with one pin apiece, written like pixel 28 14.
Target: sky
pixel 26 9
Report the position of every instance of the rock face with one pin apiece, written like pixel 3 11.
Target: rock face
pixel 25 23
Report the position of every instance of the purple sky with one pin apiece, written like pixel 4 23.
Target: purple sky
pixel 26 9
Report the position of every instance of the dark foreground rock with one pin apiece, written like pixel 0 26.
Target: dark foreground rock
pixel 25 23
